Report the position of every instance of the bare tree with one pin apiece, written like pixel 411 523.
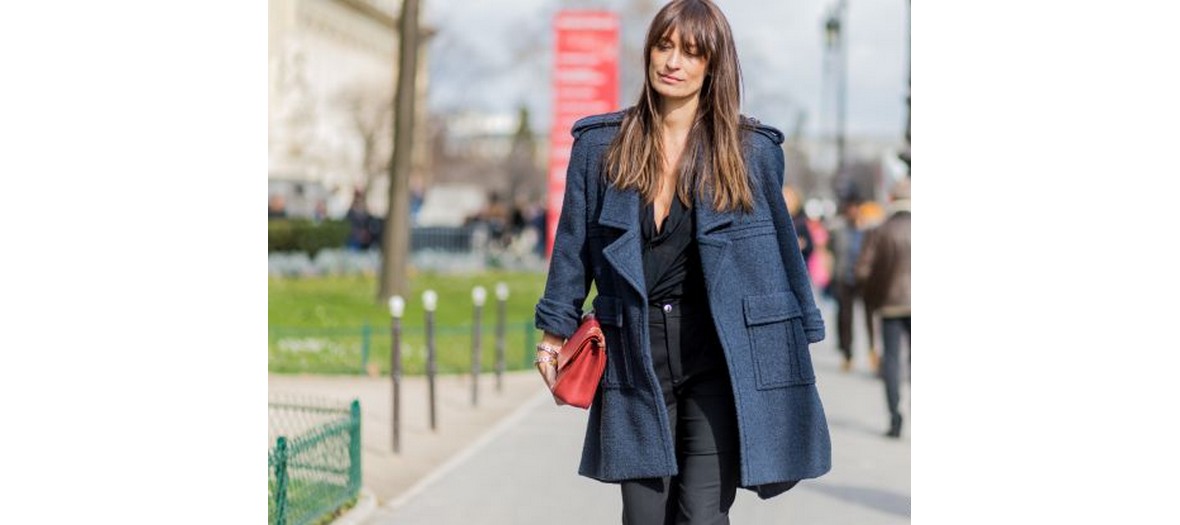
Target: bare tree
pixel 370 112
pixel 522 171
pixel 798 167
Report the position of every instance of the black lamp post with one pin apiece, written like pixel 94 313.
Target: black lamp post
pixel 835 38
pixel 905 154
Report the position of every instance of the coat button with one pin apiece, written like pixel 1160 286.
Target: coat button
pixel 667 308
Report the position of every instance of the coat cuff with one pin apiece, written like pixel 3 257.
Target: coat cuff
pixel 557 318
pixel 814 331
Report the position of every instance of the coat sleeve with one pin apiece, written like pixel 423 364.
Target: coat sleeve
pixel 560 309
pixel 772 164
pixel 867 258
pixel 867 268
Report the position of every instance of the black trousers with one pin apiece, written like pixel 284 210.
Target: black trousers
pixel 703 419
pixel 847 297
pixel 892 329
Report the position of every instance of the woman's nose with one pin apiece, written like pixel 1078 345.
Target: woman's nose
pixel 673 60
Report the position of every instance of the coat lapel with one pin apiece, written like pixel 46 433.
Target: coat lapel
pixel 713 246
pixel 620 209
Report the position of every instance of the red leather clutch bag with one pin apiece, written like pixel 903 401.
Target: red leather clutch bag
pixel 580 364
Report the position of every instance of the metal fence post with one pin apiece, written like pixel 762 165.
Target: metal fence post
pixel 430 301
pixel 366 337
pixel 501 305
pixel 354 447
pixel 478 296
pixel 281 481
pixel 397 307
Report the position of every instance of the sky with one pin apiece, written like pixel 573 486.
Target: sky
pixel 495 56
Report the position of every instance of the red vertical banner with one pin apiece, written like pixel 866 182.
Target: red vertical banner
pixel 585 82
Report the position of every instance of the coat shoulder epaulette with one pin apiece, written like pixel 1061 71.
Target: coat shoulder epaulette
pixel 770 132
pixel 585 124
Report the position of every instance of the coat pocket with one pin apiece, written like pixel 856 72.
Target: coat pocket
pixel 609 312
pixel 778 343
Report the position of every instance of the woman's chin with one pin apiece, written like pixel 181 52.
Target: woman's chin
pixel 675 95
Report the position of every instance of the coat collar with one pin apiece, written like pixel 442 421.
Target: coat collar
pixel 620 209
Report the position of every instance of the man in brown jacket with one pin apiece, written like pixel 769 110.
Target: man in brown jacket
pixel 883 270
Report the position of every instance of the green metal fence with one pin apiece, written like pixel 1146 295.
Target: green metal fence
pixel 314 459
pixel 353 350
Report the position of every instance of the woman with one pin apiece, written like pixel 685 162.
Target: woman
pixel 673 210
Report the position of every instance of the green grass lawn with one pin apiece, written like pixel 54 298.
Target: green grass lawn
pixel 305 499
pixel 317 324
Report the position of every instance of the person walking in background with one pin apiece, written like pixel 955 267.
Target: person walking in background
pixel 846 237
pixel 277 207
pixel 795 207
pixel 673 210
pixel 883 269
pixel 819 265
pixel 360 237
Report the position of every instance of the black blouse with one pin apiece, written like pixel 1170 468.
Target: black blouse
pixel 687 347
pixel 671 262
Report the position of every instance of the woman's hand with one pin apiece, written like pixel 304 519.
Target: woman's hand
pixel 546 360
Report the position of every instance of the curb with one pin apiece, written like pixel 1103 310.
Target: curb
pixel 366 503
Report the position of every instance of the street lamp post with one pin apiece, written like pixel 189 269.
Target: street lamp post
pixel 905 155
pixel 836 38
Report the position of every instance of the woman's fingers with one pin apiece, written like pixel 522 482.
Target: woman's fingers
pixel 548 373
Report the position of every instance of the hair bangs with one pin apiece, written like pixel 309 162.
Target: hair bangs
pixel 696 25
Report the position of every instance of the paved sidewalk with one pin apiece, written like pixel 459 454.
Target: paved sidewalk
pixel 505 479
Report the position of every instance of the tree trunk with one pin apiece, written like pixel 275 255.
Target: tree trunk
pixel 395 237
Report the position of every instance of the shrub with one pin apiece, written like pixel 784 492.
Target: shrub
pixel 302 235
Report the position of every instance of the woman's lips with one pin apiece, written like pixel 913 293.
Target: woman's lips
pixel 668 79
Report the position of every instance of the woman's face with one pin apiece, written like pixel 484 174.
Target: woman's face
pixel 676 72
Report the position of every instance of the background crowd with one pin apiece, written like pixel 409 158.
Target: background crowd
pixel 860 259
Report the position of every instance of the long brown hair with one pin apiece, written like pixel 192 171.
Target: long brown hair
pixel 712 155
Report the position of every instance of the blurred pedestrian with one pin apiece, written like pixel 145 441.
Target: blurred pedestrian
pixel 536 223
pixel 819 265
pixel 673 210
pixel 321 211
pixel 359 234
pixel 276 207
pixel 795 207
pixel 884 270
pixel 846 237
pixel 496 217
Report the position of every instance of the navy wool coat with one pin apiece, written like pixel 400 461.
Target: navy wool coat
pixel 762 306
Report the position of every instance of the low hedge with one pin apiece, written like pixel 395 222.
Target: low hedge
pixel 303 235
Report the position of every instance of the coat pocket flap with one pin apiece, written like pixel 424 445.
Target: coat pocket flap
pixel 608 310
pixel 770 308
